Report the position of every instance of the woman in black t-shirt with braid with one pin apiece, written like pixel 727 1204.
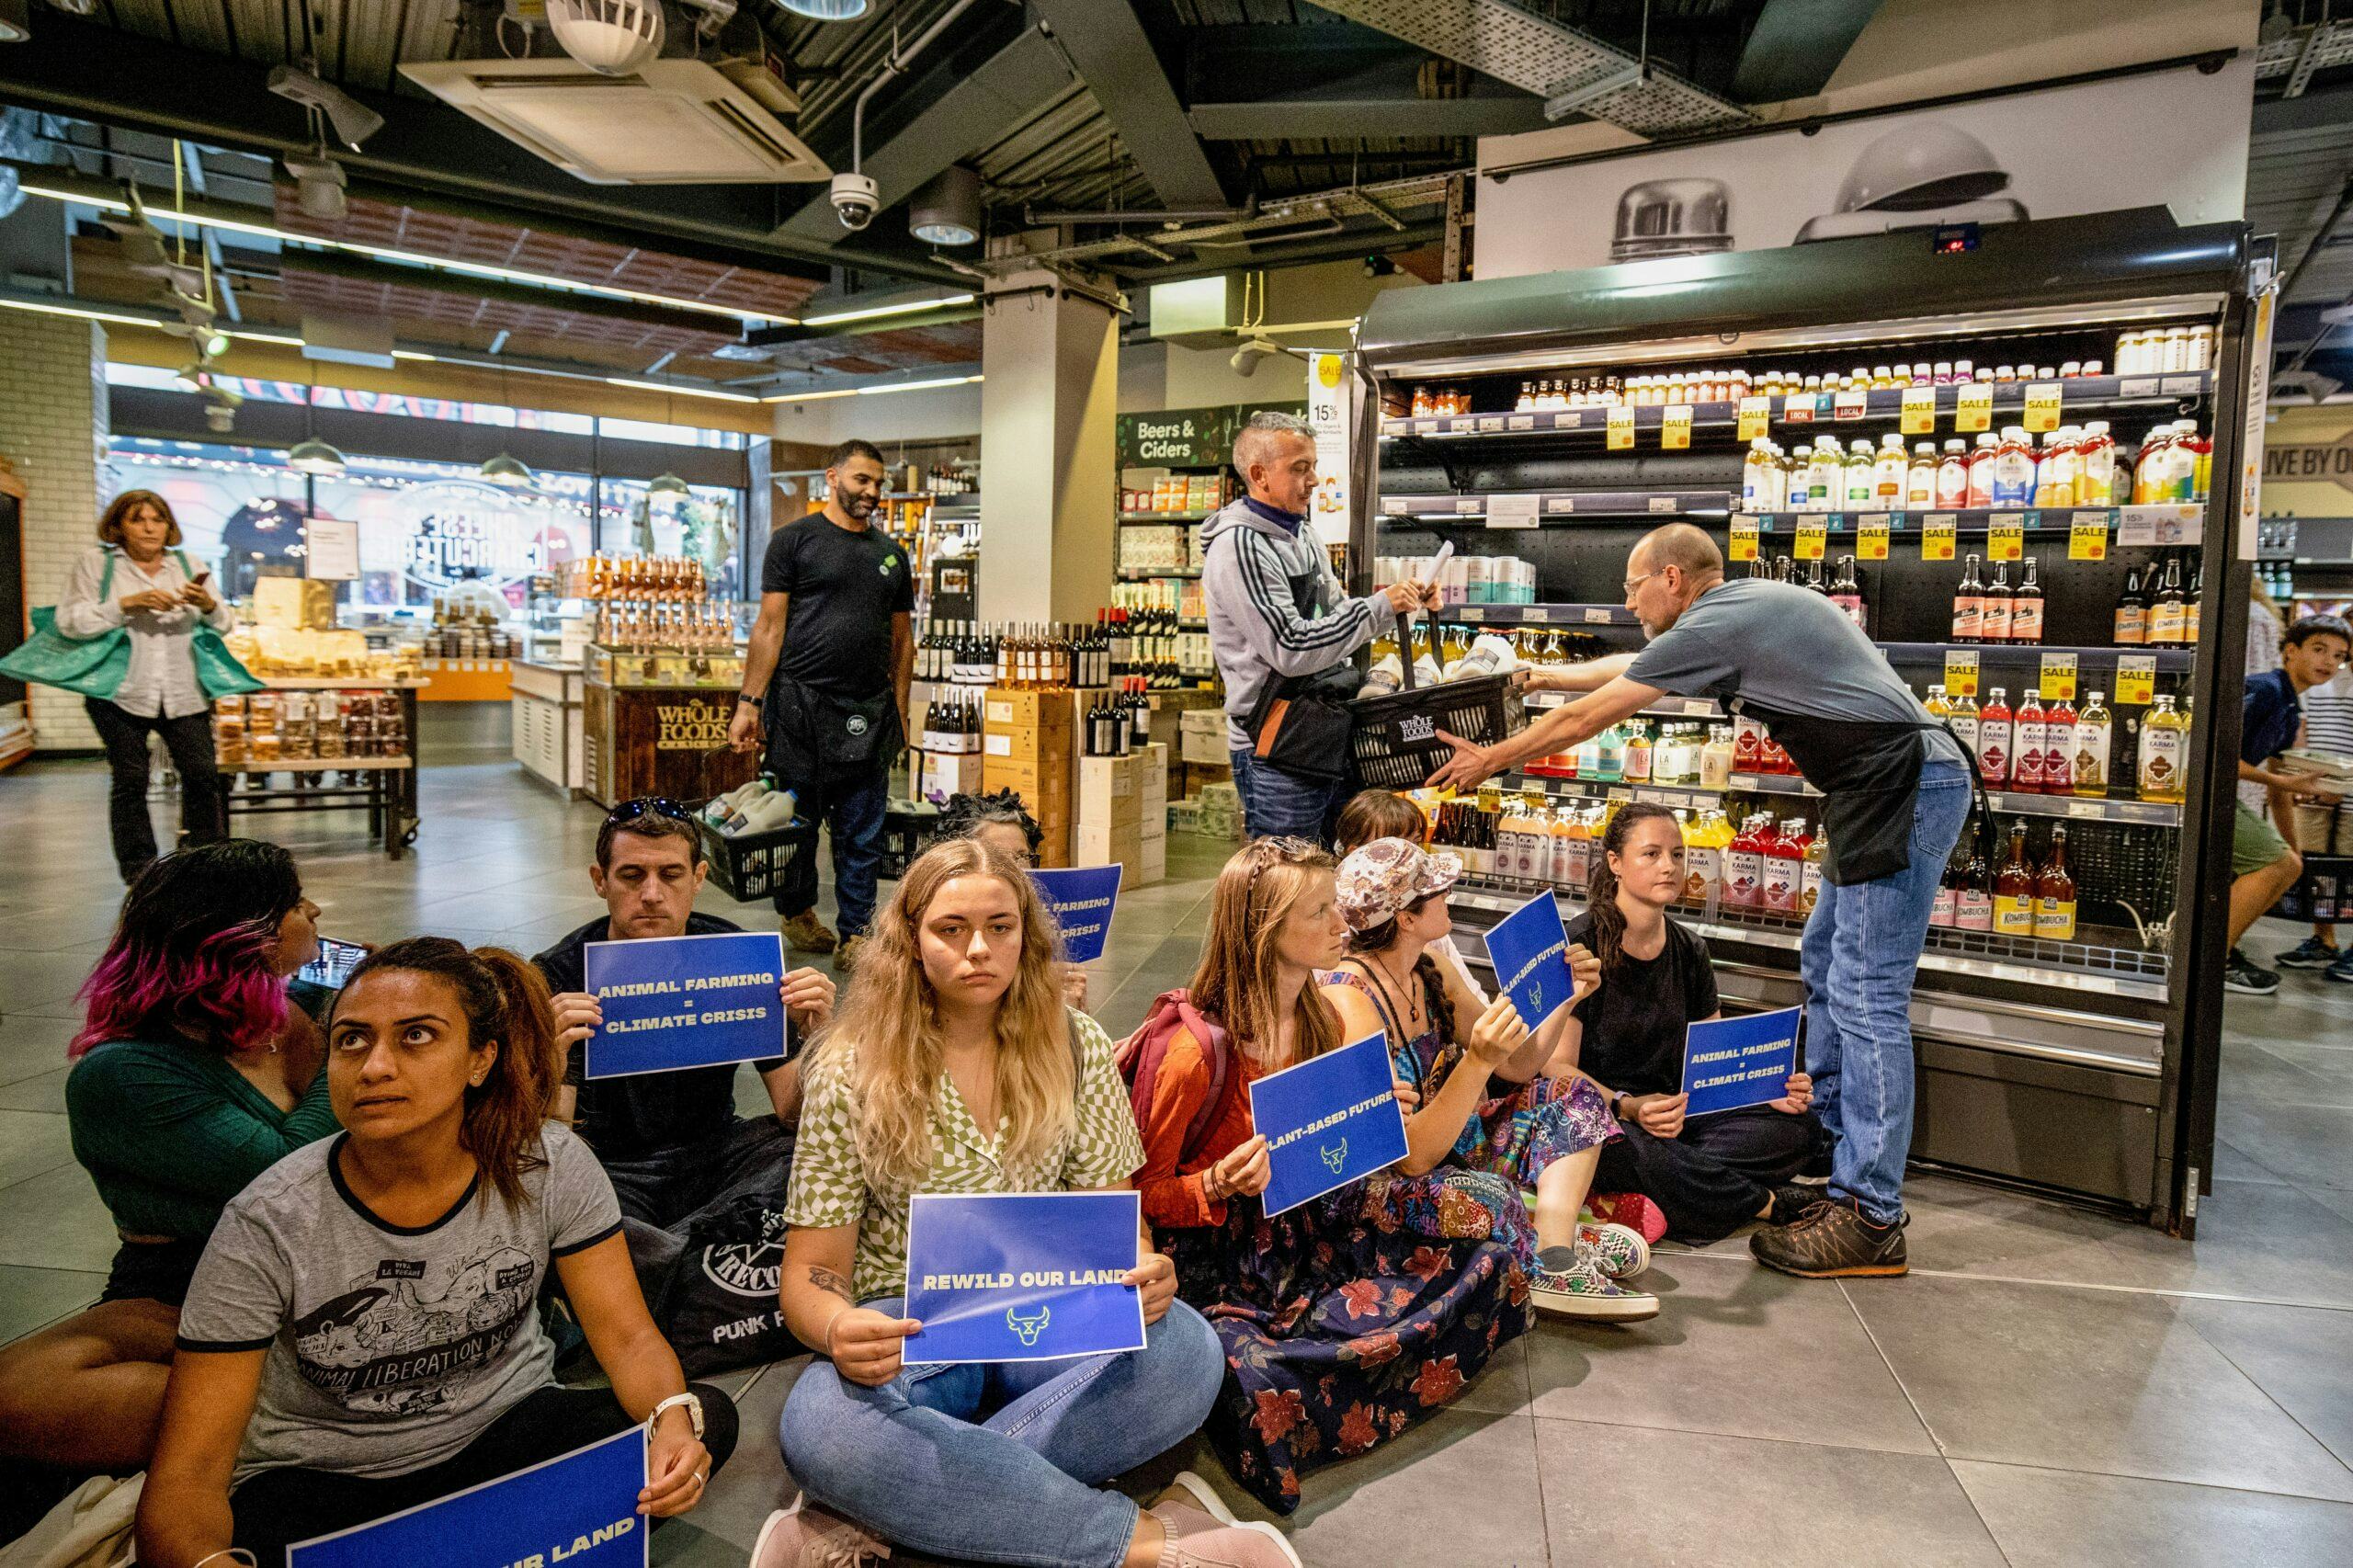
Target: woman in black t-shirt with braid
pixel 1710 1174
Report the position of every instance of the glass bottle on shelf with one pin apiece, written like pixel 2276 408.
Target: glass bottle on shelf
pixel 2014 888
pixel 1995 734
pixel 2054 893
pixel 2170 608
pixel 2131 623
pixel 2165 746
pixel 2026 607
pixel 2094 734
pixel 1993 609
pixel 1969 605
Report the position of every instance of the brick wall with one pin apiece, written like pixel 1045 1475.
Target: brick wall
pixel 53 427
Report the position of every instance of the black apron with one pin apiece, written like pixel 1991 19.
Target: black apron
pixel 1868 773
pixel 1302 724
pixel 815 735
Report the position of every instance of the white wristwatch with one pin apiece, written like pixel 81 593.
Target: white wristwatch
pixel 694 1413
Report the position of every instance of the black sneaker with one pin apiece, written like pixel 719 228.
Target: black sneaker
pixel 2241 974
pixel 2311 953
pixel 1831 1241
pixel 1790 1200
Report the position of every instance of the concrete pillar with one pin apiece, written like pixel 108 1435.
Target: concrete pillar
pixel 54 429
pixel 1047 499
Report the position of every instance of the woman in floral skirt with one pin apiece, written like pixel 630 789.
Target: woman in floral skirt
pixel 1347 1318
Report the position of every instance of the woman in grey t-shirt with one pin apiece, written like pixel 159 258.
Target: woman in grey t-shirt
pixel 361 1335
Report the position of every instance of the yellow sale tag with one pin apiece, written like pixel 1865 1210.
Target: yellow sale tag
pixel 2136 678
pixel 1960 672
pixel 1870 542
pixel 1972 408
pixel 1744 538
pixel 2087 536
pixel 1755 413
pixel 1936 537
pixel 1621 428
pixel 1919 410
pixel 1810 539
pixel 2058 678
pixel 2042 406
pixel 1675 425
pixel 2004 540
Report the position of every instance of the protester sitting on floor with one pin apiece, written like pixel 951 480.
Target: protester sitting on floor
pixel 414 1247
pixel 1710 1174
pixel 1351 1317
pixel 671 1142
pixel 955 1024
pixel 1486 1102
pixel 1384 813
pixel 999 820
pixel 194 1076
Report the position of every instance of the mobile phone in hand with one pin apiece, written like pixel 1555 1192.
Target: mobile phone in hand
pixel 333 964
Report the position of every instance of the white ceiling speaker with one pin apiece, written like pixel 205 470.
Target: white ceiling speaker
pixel 947 211
pixel 613 38
pixel 1246 358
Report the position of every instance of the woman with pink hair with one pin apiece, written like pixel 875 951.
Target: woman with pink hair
pixel 193 1074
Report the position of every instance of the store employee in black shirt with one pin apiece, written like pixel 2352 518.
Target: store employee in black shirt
pixel 671 1142
pixel 825 679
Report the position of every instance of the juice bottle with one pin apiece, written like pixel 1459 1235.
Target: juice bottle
pixel 1638 752
pixel 1810 872
pixel 2201 446
pixel 1847 591
pixel 1861 480
pixel 1783 855
pixel 2013 481
pixel 1936 702
pixel 1920 478
pixel 2054 894
pixel 1993 735
pixel 1980 470
pixel 2059 748
pixel 2097 487
pixel 1716 762
pixel 1703 858
pixel 1889 472
pixel 1797 490
pixel 2095 732
pixel 1748 745
pixel 1952 475
pixel 1825 475
pixel 1772 757
pixel 1963 720
pixel 2014 889
pixel 2056 476
pixel 1972 901
pixel 1745 865
pixel 2030 734
pixel 2164 736
pixel 1564 846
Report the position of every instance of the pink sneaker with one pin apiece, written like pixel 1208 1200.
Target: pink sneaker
pixel 805 1535
pixel 1631 1210
pixel 1203 1533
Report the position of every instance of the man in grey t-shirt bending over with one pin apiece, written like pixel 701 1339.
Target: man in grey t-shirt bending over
pixel 1896 792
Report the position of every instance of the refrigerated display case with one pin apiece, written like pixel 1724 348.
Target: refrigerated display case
pixel 2081 1065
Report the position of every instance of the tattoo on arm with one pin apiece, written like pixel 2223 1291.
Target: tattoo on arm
pixel 827 1279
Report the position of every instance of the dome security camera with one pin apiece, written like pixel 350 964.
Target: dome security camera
pixel 855 200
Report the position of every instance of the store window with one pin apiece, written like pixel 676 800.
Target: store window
pixel 706 524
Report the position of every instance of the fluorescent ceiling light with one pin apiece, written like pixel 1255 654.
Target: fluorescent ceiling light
pixel 682 391
pixel 903 307
pixel 918 386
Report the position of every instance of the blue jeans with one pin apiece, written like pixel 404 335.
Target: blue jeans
pixel 1003 1461
pixel 1860 951
pixel 1275 804
pixel 852 806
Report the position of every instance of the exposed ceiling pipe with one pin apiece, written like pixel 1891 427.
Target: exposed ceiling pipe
pixel 894 66
pixel 1035 216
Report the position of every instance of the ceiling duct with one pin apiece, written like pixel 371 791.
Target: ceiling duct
pixel 1568 69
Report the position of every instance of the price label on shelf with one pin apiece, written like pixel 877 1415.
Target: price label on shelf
pixel 1470 505
pixel 1799 408
pixel 1755 413
pixel 1512 511
pixel 1744 538
pixel 2042 406
pixel 1960 672
pixel 1811 534
pixel 2004 540
pixel 1936 537
pixel 1536 615
pixel 1597 615
pixel 2058 678
pixel 1621 428
pixel 2136 678
pixel 2087 536
pixel 1492 421
pixel 1663 506
pixel 1675 426
pixel 1850 403
pixel 1919 410
pixel 1870 542
pixel 1972 408
pixel 1519 421
pixel 1569 419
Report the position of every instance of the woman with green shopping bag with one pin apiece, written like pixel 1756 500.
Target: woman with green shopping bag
pixel 138 634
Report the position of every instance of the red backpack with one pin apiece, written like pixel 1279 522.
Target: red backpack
pixel 1140 1054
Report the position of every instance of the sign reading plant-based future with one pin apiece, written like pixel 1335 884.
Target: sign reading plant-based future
pixel 2173 138
pixel 1530 949
pixel 1330 1120
pixel 1746 1061
pixel 1022 1276
pixel 671 1001
pixel 578 1509
pixel 1081 898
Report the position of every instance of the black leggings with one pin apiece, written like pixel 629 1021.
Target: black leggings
pixel 190 740
pixel 1712 1179
pixel 279 1508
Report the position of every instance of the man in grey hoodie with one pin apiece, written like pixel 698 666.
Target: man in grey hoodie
pixel 1277 613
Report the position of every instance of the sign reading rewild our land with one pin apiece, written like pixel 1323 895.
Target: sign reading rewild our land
pixel 578 1509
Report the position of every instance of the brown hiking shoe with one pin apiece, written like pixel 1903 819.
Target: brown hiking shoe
pixel 1831 1241
pixel 846 959
pixel 808 934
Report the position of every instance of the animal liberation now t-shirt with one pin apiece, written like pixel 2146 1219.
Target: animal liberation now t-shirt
pixel 845 586
pixel 391 1346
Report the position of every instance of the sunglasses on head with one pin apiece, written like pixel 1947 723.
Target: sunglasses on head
pixel 644 806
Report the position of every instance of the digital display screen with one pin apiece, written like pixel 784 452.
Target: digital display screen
pixel 1951 239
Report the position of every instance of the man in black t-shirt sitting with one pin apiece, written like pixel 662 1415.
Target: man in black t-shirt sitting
pixel 826 679
pixel 671 1142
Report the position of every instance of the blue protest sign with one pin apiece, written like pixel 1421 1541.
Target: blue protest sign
pixel 1081 900
pixel 1530 949
pixel 1023 1276
pixel 1328 1121
pixel 578 1509
pixel 1732 1062
pixel 673 1002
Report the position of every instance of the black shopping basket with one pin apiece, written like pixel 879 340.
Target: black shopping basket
pixel 1395 739
pixel 746 866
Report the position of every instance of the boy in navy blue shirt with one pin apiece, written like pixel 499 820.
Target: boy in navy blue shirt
pixel 2263 866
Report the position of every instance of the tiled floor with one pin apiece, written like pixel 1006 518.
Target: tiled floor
pixel 2048 1388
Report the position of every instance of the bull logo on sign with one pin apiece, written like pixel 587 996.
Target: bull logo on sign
pixel 1337 1156
pixel 1027 1329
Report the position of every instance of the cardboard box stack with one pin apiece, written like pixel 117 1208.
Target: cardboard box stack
pixel 1153 865
pixel 1029 744
pixel 1111 814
